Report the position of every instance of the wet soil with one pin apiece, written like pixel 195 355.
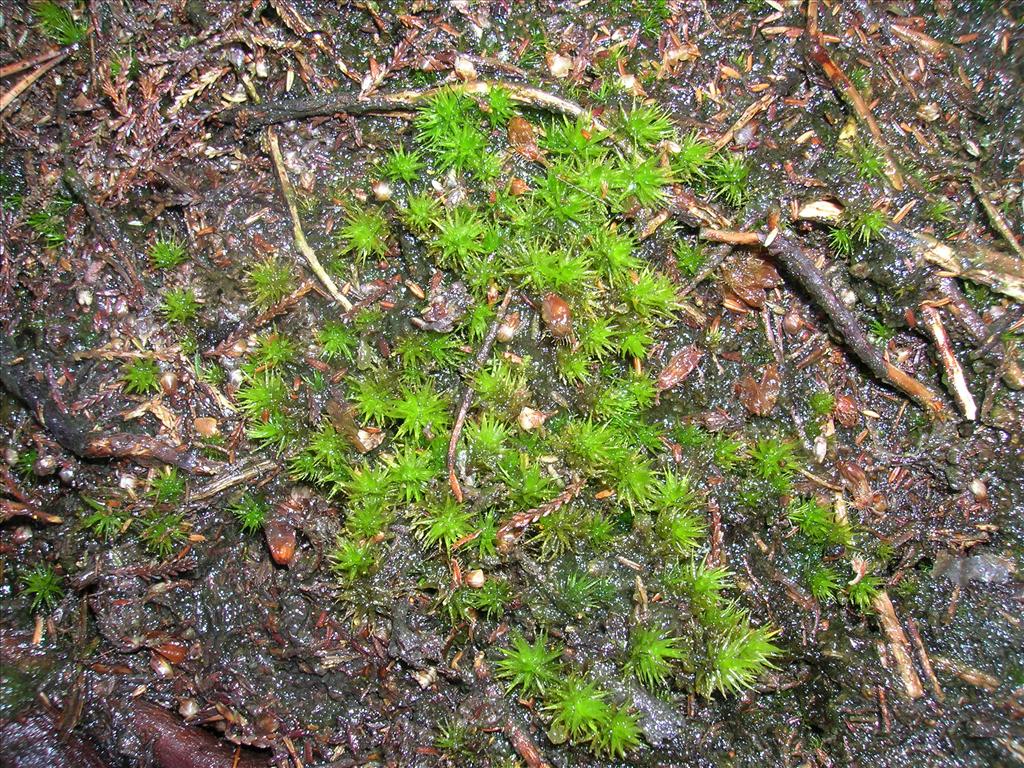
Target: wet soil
pixel 213 645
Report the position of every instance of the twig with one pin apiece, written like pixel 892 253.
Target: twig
pixel 988 343
pixel 467 394
pixel 300 237
pixel 248 326
pixel 514 528
pixel 801 267
pixel 922 656
pixel 233 477
pixel 18 66
pixel 999 271
pixel 252 116
pixel 954 371
pixel 748 114
pixel 898 646
pixel 995 217
pixel 849 93
pixel 27 81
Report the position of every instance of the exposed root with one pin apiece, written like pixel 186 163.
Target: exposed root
pixel 898 646
pixel 28 80
pixel 300 237
pixel 24 378
pixel 996 217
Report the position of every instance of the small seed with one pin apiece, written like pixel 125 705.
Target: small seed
pixel 556 315
pixel 475 579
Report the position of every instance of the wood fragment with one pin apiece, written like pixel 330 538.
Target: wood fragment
pixel 922 657
pixel 300 237
pixel 969 675
pixel 748 114
pixel 954 371
pixel 898 645
pixel 995 216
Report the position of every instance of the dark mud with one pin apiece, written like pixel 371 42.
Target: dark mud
pixel 180 638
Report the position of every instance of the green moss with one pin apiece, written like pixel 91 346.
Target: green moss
pixel 44 586
pixel 529 668
pixel 272 351
pixel 822 403
pixel 48 222
pixel 58 23
pixel 736 656
pixel 862 594
pixel 167 486
pixel 167 253
pixel 351 559
pixel 141 376
pixel 651 654
pixel 689 163
pixel 728 175
pixel 441 523
pixel 401 165
pixel 819 523
pixel 179 305
pixel 364 235
pixel 107 519
pixel 578 708
pixel 620 734
pixel 250 511
pixel 645 125
pixel 824 583
pixel 337 341
pixel 267 282
pixel 163 532
pixel 418 409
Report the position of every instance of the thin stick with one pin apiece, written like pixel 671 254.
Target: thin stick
pixel 300 237
pixel 26 82
pixel 954 371
pixel 800 266
pixel 467 394
pixel 995 217
pixel 898 645
pixel 849 93
pixel 29 63
pixel 922 656
pixel 748 114
pixel 251 116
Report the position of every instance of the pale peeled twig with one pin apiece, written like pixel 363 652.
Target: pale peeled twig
pixel 954 371
pixel 898 646
pixel 300 237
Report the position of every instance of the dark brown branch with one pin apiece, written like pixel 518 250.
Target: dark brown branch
pixel 23 376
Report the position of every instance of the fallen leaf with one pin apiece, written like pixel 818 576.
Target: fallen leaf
pixel 678 368
pixel 749 277
pixel 759 397
pixel 523 138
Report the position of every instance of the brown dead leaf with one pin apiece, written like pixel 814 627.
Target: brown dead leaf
pixel 759 397
pixel 748 278
pixel 678 368
pixel 523 138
